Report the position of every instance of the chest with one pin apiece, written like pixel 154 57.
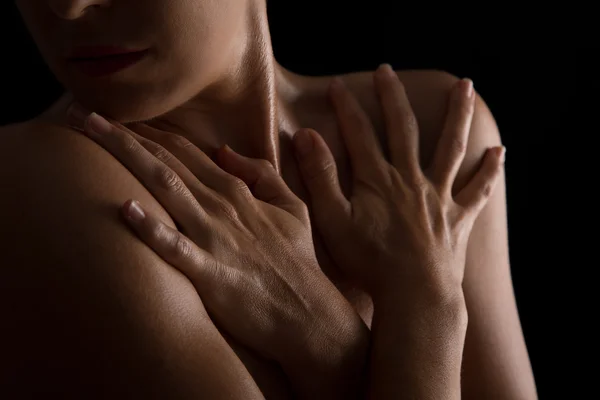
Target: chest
pixel 291 174
pixel 267 375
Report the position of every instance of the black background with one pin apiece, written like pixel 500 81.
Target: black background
pixel 524 82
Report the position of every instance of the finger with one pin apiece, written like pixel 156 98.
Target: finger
pixel 77 117
pixel 319 174
pixel 478 191
pixel 208 198
pixel 172 246
pixel 263 181
pixel 400 121
pixel 197 161
pixel 214 188
pixel 158 178
pixel 368 161
pixel 452 145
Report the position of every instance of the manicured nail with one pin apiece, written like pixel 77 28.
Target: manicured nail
pixel 98 124
pixel 135 212
pixel 76 115
pixel 467 87
pixel 389 70
pixel 304 142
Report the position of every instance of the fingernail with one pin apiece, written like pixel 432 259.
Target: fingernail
pixel 303 142
pixel 135 212
pixel 502 154
pixel 76 115
pixel 389 70
pixel 98 124
pixel 467 87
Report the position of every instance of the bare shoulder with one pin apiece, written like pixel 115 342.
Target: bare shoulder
pixel 38 149
pixel 494 346
pixel 429 94
pixel 494 329
pixel 81 295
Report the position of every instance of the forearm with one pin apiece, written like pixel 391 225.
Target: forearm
pixel 417 350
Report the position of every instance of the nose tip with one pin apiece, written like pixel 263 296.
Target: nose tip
pixel 73 9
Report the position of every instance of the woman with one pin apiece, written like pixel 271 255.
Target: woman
pixel 207 74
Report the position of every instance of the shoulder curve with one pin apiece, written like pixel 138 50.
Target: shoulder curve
pixel 37 152
pixel 95 297
pixel 429 92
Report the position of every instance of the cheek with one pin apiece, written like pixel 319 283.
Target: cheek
pixel 189 50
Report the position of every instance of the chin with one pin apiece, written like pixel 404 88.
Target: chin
pixel 124 105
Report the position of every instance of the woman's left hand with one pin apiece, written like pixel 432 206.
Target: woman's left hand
pixel 247 247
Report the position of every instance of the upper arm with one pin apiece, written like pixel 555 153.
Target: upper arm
pixel 495 360
pixel 89 310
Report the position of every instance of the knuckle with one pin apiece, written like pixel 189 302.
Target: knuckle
pixel 160 233
pixel 410 120
pixel 486 190
pixel 302 208
pixel 228 210
pixel 325 170
pixel 415 178
pixel 458 145
pixel 178 141
pixel 235 184
pixel 168 179
pixel 180 248
pixel 128 142
pixel 421 187
pixel 162 154
pixel 236 187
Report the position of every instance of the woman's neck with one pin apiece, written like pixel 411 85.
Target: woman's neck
pixel 247 108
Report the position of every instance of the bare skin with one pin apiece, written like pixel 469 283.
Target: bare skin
pixel 416 283
pixel 270 103
pixel 267 375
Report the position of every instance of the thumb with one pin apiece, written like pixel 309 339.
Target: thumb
pixel 263 181
pixel 319 173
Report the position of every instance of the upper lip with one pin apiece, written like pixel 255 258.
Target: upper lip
pixel 100 51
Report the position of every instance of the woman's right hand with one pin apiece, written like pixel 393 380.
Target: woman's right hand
pixel 245 243
pixel 402 230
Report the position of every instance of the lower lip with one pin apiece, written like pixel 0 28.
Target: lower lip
pixel 104 66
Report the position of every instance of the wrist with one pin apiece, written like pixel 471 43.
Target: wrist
pixel 434 292
pixel 432 331
pixel 423 306
pixel 331 360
